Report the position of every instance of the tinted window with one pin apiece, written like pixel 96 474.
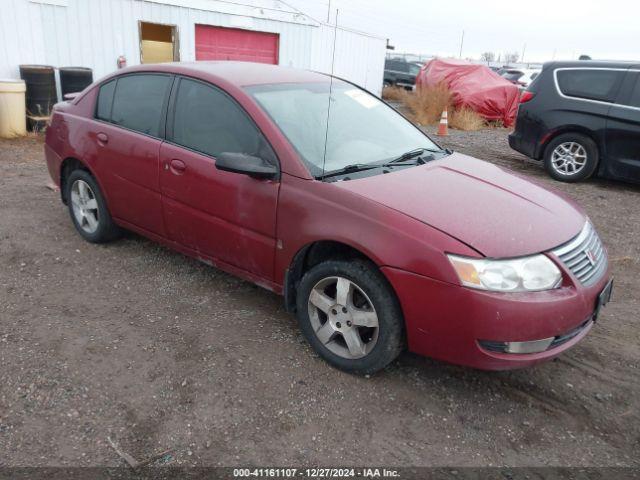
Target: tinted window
pixel 634 101
pixel 209 121
pixel 397 66
pixel 138 102
pixel 105 99
pixel 591 84
pixel 414 69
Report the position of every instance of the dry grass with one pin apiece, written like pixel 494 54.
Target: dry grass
pixel 466 119
pixel 427 103
pixel 395 94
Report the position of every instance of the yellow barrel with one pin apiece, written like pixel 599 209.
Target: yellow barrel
pixel 13 115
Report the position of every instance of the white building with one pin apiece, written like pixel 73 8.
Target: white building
pixel 94 33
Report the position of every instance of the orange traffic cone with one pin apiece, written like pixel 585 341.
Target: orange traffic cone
pixel 443 128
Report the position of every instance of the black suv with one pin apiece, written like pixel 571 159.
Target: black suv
pixel 400 73
pixel 582 118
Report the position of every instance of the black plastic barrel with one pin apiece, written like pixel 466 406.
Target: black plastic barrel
pixel 41 93
pixel 74 79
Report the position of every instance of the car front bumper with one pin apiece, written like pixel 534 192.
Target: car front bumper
pixel 471 327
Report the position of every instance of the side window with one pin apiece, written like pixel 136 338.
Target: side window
pixel 634 100
pixel 209 121
pixel 138 102
pixel 105 100
pixel 414 69
pixel 590 84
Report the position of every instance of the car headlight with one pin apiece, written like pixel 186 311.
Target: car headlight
pixel 526 274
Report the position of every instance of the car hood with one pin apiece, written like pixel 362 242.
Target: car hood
pixel 497 213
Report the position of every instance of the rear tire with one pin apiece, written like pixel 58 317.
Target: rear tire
pixel 358 327
pixel 88 209
pixel 571 157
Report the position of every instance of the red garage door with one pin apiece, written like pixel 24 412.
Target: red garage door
pixel 219 43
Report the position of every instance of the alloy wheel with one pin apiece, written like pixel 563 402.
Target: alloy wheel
pixel 343 317
pixel 85 206
pixel 569 158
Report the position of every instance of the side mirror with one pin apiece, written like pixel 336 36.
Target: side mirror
pixel 246 164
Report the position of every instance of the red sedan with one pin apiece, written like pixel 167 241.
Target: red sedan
pixel 378 239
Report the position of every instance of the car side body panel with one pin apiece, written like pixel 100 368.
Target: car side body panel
pixel 312 211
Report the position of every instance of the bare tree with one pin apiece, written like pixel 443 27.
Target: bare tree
pixel 488 57
pixel 511 57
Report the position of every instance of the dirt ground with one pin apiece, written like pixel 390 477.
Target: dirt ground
pixel 156 351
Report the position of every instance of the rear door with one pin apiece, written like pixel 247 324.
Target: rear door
pixel 623 131
pixel 128 133
pixel 228 216
pixel 586 97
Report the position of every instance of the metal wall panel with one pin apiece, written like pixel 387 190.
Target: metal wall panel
pixel 93 33
pixel 359 57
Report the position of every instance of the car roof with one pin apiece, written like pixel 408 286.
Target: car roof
pixel 241 74
pixel 593 64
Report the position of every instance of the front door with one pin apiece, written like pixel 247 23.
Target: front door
pixel 623 131
pixel 226 216
pixel 130 123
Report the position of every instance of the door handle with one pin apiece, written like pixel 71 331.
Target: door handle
pixel 102 137
pixel 177 166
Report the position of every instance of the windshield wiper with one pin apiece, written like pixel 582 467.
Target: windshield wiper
pixel 356 167
pixel 400 161
pixel 412 154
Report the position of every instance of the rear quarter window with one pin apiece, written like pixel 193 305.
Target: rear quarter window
pixel 105 100
pixel 590 84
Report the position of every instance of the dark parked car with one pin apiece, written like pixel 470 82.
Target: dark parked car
pixel 582 118
pixel 400 73
pixel 377 238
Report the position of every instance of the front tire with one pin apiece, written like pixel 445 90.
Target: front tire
pixel 88 209
pixel 571 157
pixel 350 315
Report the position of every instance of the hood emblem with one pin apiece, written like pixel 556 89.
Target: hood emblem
pixel 590 256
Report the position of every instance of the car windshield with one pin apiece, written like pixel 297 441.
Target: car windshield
pixel 362 128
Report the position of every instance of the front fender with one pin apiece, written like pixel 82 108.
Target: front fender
pixel 310 211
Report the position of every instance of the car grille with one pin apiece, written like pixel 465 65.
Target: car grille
pixel 585 255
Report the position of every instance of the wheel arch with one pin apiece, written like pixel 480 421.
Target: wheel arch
pixel 312 254
pixel 67 166
pixel 569 129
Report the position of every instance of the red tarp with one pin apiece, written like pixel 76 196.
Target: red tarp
pixel 474 86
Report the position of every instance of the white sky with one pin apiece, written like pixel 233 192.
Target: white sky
pixel 603 29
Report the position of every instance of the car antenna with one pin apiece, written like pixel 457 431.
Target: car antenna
pixel 333 62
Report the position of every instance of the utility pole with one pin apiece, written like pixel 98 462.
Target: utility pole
pixel 524 48
pixel 329 12
pixel 461 44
